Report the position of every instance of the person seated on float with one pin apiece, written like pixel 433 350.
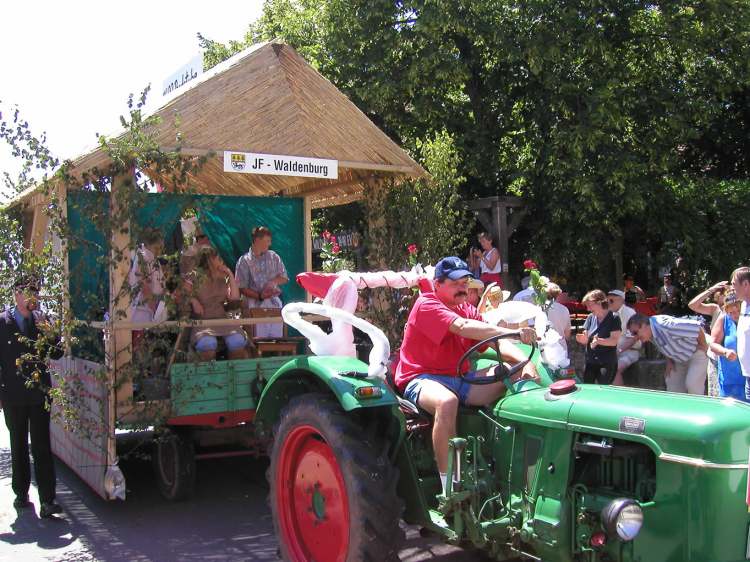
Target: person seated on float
pixel 441 327
pixel 260 272
pixel 145 277
pixel 210 287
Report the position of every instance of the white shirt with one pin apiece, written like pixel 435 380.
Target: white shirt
pixel 484 268
pixel 743 339
pixel 559 318
pixel 624 314
pixel 145 268
pixel 527 295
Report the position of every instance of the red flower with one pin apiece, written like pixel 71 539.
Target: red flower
pixel 326 235
pixel 529 265
pixel 336 249
pixel 333 239
pixel 412 249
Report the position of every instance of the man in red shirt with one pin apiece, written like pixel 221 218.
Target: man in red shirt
pixel 441 327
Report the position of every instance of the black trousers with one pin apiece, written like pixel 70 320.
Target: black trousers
pixel 22 420
pixel 601 374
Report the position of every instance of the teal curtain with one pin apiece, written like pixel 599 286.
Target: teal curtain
pixel 227 220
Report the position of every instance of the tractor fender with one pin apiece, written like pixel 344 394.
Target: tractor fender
pixel 332 374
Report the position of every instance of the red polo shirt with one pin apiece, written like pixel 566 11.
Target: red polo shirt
pixel 429 347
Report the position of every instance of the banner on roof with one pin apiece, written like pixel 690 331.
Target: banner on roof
pixel 278 165
pixel 183 75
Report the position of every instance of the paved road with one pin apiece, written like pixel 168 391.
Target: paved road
pixel 227 520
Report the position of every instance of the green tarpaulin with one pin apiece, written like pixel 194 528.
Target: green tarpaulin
pixel 227 220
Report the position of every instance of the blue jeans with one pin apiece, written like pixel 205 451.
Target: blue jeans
pixel 454 384
pixel 233 342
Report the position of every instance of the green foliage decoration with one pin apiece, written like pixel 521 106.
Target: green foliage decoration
pixel 426 213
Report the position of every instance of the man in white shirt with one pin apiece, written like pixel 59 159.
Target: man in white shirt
pixel 527 292
pixel 628 347
pixel 741 286
pixel 558 314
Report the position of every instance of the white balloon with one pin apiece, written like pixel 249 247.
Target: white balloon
pixel 330 344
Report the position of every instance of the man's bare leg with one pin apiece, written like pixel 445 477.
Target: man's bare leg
pixel 443 405
pixel 481 395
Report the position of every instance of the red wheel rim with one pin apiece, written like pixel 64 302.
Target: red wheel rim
pixel 312 504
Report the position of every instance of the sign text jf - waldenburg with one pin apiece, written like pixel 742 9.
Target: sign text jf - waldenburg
pixel 278 165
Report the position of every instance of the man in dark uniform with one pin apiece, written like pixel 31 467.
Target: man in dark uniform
pixel 24 386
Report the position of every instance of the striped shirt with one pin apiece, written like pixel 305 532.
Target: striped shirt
pixel 677 338
pixel 743 339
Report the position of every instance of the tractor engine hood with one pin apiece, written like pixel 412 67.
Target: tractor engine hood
pixel 693 429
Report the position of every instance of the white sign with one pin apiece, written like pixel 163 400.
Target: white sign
pixel 277 165
pixel 183 76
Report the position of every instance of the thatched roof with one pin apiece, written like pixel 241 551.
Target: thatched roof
pixel 267 99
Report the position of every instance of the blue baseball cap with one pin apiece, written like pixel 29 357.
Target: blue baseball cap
pixel 452 268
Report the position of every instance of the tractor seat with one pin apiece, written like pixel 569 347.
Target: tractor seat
pixel 409 408
pixel 412 410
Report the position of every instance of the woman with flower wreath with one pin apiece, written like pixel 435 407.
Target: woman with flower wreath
pixel 490 264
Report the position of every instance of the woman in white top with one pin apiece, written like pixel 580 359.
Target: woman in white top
pixel 490 265
pixel 146 278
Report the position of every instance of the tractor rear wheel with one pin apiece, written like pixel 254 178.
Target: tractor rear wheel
pixel 333 488
pixel 174 465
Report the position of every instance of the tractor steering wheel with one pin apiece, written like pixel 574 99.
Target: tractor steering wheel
pixel 501 372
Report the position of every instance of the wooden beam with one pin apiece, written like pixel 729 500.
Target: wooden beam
pixel 349 164
pixel 302 191
pixel 119 343
pixel 485 219
pixel 337 200
pixel 487 202
pixel 515 219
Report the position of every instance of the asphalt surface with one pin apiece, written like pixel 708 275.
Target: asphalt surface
pixel 227 519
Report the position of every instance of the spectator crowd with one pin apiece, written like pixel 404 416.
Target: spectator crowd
pixel 703 342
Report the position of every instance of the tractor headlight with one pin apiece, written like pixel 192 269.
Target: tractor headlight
pixel 623 517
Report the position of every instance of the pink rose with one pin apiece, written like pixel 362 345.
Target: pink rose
pixel 326 235
pixel 412 249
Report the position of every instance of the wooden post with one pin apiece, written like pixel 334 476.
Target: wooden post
pixel 38 229
pixel 119 341
pixel 617 251
pixel 500 215
pixel 307 225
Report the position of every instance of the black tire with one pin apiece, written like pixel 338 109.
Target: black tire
pixel 174 464
pixel 370 481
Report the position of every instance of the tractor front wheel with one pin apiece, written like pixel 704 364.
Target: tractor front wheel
pixel 333 489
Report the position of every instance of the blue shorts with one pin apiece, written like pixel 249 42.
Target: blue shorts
pixel 210 343
pixel 456 384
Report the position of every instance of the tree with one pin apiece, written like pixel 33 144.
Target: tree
pixel 590 110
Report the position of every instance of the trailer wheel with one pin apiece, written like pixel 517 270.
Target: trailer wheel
pixel 174 464
pixel 332 487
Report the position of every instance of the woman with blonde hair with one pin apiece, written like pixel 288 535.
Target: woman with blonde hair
pixel 601 332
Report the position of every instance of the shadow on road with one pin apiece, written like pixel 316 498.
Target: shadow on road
pixel 227 519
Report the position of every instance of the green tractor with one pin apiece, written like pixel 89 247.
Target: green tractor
pixel 554 471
